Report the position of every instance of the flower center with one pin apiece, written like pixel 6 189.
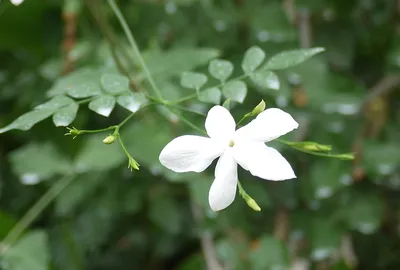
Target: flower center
pixel 231 143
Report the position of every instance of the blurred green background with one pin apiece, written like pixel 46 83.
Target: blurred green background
pixel 335 215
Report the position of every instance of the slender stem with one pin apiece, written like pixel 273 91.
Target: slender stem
pixel 123 146
pixel 241 190
pixel 190 124
pixel 134 46
pixel 101 21
pixel 184 109
pixel 243 118
pixel 346 156
pixel 97 130
pixel 126 120
pixel 35 211
pixel 132 114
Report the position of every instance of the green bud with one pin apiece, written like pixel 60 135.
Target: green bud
pixel 109 139
pixel 73 132
pixel 347 156
pixel 312 146
pixel 249 200
pixel 259 108
pixel 253 204
pixel 133 164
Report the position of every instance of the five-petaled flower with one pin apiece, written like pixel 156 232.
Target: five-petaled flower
pixel 245 146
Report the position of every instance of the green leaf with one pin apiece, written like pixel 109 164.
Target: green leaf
pixel 193 80
pixel 55 103
pixel 132 101
pixel 7 223
pixel 220 69
pixel 327 177
pixel 199 186
pixel 164 212
pixel 235 91
pixel 28 120
pixel 175 61
pixel 31 252
pixel 227 104
pixel 381 158
pixel 266 79
pixel 277 254
pixel 84 90
pixel 76 192
pixel 365 213
pixel 37 162
pixel 291 58
pixel 64 116
pixel 103 105
pixel 81 83
pixel 210 95
pixel 252 59
pixel 325 238
pixel 114 84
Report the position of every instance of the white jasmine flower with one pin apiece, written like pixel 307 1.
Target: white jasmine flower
pixel 244 146
pixel 16 2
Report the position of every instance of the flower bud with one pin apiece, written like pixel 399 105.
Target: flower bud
pixel 73 132
pixel 109 139
pixel 253 204
pixel 133 164
pixel 259 108
pixel 249 200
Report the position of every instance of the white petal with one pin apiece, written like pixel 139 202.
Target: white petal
pixel 267 126
pixel 263 161
pixel 16 2
pixel 189 153
pixel 223 189
pixel 220 123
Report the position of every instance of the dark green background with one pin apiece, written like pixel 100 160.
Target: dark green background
pixel 335 215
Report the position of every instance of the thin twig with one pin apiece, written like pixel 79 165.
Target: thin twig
pixel 206 240
pixel 135 47
pixel 34 212
pixel 383 87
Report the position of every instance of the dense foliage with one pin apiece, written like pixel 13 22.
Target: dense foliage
pixel 72 202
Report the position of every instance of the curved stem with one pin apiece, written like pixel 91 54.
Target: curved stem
pixel 35 211
pixel 134 46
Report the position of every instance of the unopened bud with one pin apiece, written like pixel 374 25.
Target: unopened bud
pixel 253 204
pixel 317 147
pixel 259 108
pixel 250 202
pixel 73 132
pixel 109 139
pixel 133 164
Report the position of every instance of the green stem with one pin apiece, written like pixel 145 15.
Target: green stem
pixel 346 156
pixel 190 124
pixel 123 146
pixel 35 211
pixel 97 130
pixel 184 109
pixel 134 46
pixel 243 118
pixel 241 190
